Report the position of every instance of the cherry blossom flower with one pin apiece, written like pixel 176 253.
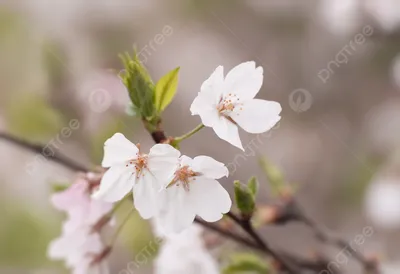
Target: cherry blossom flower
pixel 225 103
pixel 193 190
pixel 78 249
pixel 82 210
pixel 130 169
pixel 80 244
pixel 184 253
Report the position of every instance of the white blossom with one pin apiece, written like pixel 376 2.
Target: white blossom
pixel 390 267
pixel 78 249
pixel 193 190
pixel 385 12
pixel 184 253
pixel 225 103
pixel 129 169
pixel 382 205
pixel 340 16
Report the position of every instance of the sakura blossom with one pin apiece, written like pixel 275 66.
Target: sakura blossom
pixel 184 253
pixel 226 103
pixel 80 244
pixel 130 169
pixel 79 249
pixel 193 190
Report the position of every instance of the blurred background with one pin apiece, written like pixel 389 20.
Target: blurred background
pixel 334 65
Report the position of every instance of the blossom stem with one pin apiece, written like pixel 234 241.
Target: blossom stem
pixel 179 139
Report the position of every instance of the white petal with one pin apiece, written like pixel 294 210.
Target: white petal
pixel 87 243
pixel 257 116
pixel 213 86
pixel 211 199
pixel 205 104
pixel 244 80
pixel 145 195
pixel 209 167
pixel 186 161
pixel 162 163
pixel 97 210
pixel 177 213
pixel 118 150
pixel 74 196
pixel 205 109
pixel 59 249
pixel 228 131
pixel 117 181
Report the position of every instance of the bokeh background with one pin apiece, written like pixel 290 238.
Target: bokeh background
pixel 338 142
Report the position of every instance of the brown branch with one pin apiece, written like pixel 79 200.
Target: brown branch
pixel 40 149
pixel 326 237
pixel 246 225
pixel 291 211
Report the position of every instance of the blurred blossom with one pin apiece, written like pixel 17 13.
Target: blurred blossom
pixel 82 211
pixel 382 203
pixel 391 268
pixel 80 244
pixel 340 16
pixel 385 12
pixel 184 253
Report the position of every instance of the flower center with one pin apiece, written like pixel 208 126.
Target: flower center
pixel 182 177
pixel 140 163
pixel 227 104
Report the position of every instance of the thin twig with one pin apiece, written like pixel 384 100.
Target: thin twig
pixel 40 149
pixel 326 237
pixel 249 229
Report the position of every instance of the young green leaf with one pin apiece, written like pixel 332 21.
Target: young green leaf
pixel 165 89
pixel 139 84
pixel 253 185
pixel 244 199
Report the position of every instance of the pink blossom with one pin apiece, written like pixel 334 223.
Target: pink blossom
pixel 80 244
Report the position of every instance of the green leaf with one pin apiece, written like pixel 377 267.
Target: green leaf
pixel 246 263
pixel 139 84
pixel 244 198
pixel 166 89
pixel 253 185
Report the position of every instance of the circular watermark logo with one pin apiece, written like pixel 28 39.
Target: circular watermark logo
pixel 99 100
pixel 300 100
